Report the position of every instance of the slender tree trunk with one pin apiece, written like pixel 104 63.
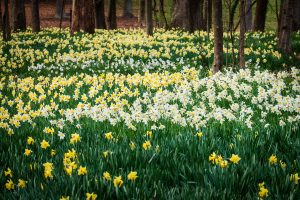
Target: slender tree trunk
pixel 142 12
pixel 59 10
pixel 100 15
pixel 127 12
pixel 89 16
pixel 18 15
pixel 1 22
pixel 231 14
pixel 162 14
pixel 112 15
pixel 286 23
pixel 149 17
pixel 6 25
pixel 35 16
pixel 296 21
pixel 196 14
pixel 242 33
pixel 218 35
pixel 260 15
pixel 248 15
pixel 76 16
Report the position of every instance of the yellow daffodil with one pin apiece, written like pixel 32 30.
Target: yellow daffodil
pixel 132 176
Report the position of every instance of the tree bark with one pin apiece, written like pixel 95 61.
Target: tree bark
pixel 286 22
pixel 149 17
pixel 127 12
pixel 6 25
pixel 181 17
pixel 242 33
pixel 218 35
pixel 76 16
pixel 18 15
pixel 59 10
pixel 1 22
pixel 89 16
pixel 100 15
pixel 296 21
pixel 162 15
pixel 248 15
pixel 142 12
pixel 207 14
pixel 35 16
pixel 260 15
pixel 112 15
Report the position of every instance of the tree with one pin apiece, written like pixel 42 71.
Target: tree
pixel 207 14
pixel 127 12
pixel 248 15
pixel 296 20
pixel 35 15
pixel 100 15
pixel 242 33
pixel 181 15
pixel 188 14
pixel 149 19
pixel 260 15
pixel 59 10
pixel 18 15
pixel 112 15
pixel 1 22
pixel 162 15
pixel 6 26
pixel 286 22
pixel 89 16
pixel 76 16
pixel 142 12
pixel 218 35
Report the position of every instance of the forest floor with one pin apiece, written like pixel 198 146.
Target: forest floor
pixel 48 19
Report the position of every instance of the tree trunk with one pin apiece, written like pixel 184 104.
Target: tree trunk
pixel 196 14
pixel 112 15
pixel 260 15
pixel 6 25
pixel 242 33
pixel 162 15
pixel 286 23
pixel 218 35
pixel 89 16
pixel 59 10
pixel 296 22
pixel 149 17
pixel 76 16
pixel 207 14
pixel 18 15
pixel 127 12
pixel 181 17
pixel 100 15
pixel 142 12
pixel 35 16
pixel 248 15
pixel 1 22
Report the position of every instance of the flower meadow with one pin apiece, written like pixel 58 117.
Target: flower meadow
pixel 121 115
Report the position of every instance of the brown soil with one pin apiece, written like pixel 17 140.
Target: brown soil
pixel 47 12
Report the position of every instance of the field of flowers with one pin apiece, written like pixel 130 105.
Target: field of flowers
pixel 122 115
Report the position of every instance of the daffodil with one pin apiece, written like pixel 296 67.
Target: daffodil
pixel 235 158
pixel 118 182
pixel 82 171
pixel 44 144
pixel 106 176
pixel 132 176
